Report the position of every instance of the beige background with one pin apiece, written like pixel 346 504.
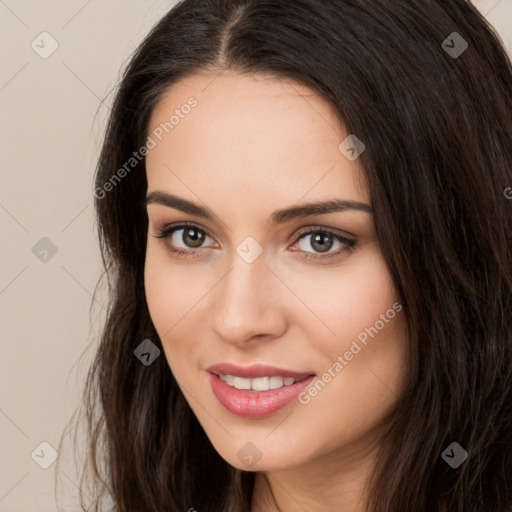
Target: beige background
pixel 50 133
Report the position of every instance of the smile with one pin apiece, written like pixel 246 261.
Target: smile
pixel 256 391
pixel 259 383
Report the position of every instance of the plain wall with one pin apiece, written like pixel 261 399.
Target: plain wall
pixel 50 134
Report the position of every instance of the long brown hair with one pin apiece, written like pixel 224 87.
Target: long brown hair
pixel 437 128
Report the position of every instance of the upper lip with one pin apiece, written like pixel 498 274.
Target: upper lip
pixel 255 371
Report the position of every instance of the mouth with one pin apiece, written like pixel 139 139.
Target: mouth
pixel 256 391
pixel 259 383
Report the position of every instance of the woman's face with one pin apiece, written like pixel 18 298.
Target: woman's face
pixel 308 295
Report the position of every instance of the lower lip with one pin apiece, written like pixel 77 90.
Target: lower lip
pixel 256 404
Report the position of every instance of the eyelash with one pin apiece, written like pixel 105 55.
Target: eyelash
pixel 166 231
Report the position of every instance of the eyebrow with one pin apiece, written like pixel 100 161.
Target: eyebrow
pixel 278 217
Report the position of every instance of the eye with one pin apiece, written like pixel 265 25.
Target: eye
pixel 192 239
pixel 322 240
pixel 188 234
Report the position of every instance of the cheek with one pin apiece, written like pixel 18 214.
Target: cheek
pixel 171 289
pixel 175 294
pixel 160 288
pixel 366 345
pixel 348 300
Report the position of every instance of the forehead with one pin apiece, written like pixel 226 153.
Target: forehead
pixel 252 138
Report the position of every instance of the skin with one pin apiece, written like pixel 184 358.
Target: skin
pixel 255 144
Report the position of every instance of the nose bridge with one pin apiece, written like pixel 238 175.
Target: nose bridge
pixel 246 304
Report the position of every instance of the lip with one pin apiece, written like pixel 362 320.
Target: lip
pixel 255 371
pixel 256 404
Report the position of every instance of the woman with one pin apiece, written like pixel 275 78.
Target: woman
pixel 302 208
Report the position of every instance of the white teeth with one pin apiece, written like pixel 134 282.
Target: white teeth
pixel 241 383
pixel 259 383
pixel 276 382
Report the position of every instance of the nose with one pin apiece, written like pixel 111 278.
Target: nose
pixel 248 303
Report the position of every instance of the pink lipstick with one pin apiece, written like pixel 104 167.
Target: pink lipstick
pixel 256 391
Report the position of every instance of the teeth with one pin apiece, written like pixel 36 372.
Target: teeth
pixel 258 384
pixel 276 382
pixel 241 383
